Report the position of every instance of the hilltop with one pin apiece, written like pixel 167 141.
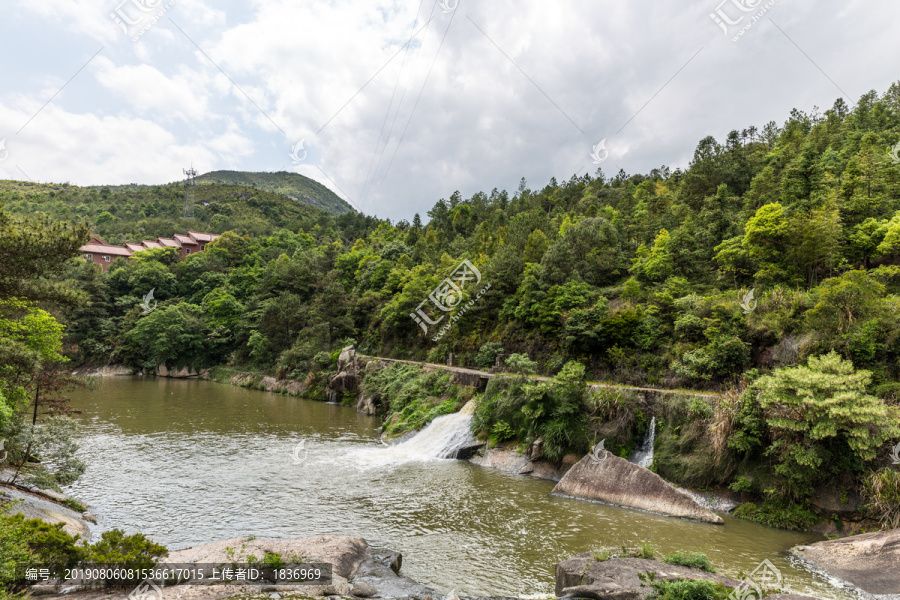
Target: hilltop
pixel 293 185
pixel 130 213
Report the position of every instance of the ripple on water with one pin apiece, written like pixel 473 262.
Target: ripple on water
pixel 191 462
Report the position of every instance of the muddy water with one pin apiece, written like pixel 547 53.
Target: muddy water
pixel 188 462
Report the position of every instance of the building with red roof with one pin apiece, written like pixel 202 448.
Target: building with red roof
pixel 103 254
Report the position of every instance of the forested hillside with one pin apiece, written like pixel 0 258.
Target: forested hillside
pixel 122 214
pixel 771 264
pixel 293 185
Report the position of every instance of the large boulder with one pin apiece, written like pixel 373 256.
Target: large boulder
pixel 582 576
pixel 344 553
pixel 347 377
pixel 347 361
pixel 45 506
pixel 614 480
pixel 870 561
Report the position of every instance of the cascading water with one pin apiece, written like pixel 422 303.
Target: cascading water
pixel 643 456
pixel 442 438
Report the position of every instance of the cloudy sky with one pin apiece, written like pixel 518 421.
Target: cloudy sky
pixel 394 104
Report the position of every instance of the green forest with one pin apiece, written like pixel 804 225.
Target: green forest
pixel 766 272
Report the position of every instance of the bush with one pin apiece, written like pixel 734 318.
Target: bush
pixel 553 411
pixel 881 493
pixel 822 421
pixel 35 542
pixel 487 355
pixel 776 514
pixel 520 363
pixel 696 560
pixel 134 551
pixel 416 398
pixel 688 590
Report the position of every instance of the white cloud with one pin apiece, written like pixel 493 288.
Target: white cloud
pixel 148 92
pixel 479 123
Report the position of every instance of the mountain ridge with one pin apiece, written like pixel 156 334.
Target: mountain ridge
pixel 293 185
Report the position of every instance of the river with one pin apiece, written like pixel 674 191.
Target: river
pixel 188 462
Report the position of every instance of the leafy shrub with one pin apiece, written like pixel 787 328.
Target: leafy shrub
pixel 416 398
pixel 696 560
pixel 134 551
pixel 602 555
pixel 723 356
pixel 777 514
pixel 487 355
pixel 690 327
pixel 32 541
pixel 741 484
pixel 520 363
pixel 273 560
pixel 881 494
pixel 700 589
pixel 646 550
pixel 553 411
pixel 822 420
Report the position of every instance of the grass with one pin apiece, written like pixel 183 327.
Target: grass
pixel 688 590
pixel 644 550
pixel 775 514
pixel 74 505
pixel 696 560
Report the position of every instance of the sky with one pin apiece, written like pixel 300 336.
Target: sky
pixel 394 104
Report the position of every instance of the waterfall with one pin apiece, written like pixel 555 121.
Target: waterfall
pixel 332 397
pixel 442 438
pixel 643 456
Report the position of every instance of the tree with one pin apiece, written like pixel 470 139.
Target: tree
pixel 33 250
pixel 766 239
pixel 846 300
pixel 654 265
pixel 822 420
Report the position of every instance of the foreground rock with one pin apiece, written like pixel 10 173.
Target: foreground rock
pixel 510 460
pixel 357 572
pixel 46 507
pixel 870 561
pixel 583 576
pixel 616 481
pixel 343 552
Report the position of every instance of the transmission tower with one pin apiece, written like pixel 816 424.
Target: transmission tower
pixel 189 185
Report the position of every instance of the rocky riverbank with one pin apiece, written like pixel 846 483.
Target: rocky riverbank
pixel 869 562
pixel 587 576
pixel 357 572
pixel 46 505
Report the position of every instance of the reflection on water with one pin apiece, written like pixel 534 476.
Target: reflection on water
pixel 189 462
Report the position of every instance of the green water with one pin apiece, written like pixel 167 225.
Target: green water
pixel 189 462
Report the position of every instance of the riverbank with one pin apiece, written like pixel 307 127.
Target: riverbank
pixel 480 531
pixel 683 450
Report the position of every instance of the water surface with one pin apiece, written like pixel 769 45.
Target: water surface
pixel 190 462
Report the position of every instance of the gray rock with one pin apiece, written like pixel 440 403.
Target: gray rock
pixel 616 481
pixel 363 590
pixel 394 560
pixel 467 452
pixel 344 553
pixel 870 562
pixel 37 506
pixel 366 405
pixel 620 578
pixel 380 573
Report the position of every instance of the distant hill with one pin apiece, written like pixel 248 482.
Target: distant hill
pixel 293 185
pixel 129 213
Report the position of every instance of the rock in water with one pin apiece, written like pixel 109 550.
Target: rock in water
pixel 868 561
pixel 614 480
pixel 582 576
